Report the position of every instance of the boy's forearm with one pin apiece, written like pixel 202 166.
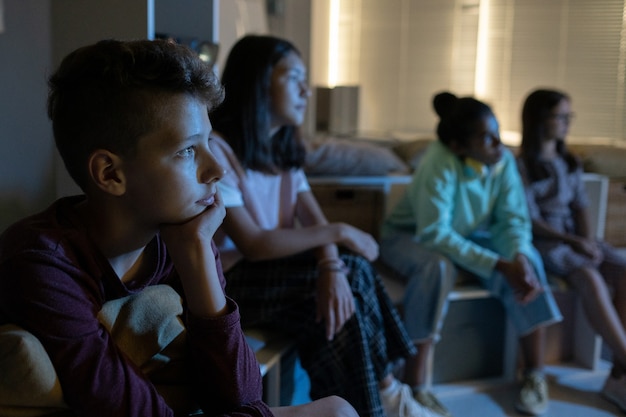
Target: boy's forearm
pixel 224 363
pixel 201 284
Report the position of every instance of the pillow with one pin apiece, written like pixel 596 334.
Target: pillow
pixel 411 152
pixel 351 157
pixel 146 326
pixel 143 324
pixel 602 159
pixel 27 377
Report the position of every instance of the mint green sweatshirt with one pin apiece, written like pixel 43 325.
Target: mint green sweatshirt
pixel 449 202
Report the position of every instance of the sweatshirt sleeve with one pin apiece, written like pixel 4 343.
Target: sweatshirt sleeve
pixel 511 228
pixel 58 302
pixel 433 195
pixel 226 371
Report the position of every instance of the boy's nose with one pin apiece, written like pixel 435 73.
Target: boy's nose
pixel 211 170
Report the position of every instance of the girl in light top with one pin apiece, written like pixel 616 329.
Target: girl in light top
pixel 282 259
pixel 558 207
pixel 465 212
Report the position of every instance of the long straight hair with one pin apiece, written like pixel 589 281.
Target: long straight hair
pixel 536 113
pixel 243 119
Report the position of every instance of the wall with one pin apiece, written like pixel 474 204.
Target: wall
pixel 37 34
pixel 26 145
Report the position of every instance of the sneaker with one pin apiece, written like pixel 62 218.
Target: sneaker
pixel 428 400
pixel 614 390
pixel 398 401
pixel 533 397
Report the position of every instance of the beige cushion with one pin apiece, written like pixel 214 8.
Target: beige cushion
pixel 411 152
pixel 602 159
pixel 351 157
pixel 27 377
pixel 146 326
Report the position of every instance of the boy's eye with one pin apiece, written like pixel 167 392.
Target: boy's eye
pixel 187 152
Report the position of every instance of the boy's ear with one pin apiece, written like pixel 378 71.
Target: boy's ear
pixel 105 170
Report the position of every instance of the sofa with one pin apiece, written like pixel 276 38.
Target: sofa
pixel 330 156
pixel 359 181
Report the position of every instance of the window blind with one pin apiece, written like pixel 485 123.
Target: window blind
pixel 401 52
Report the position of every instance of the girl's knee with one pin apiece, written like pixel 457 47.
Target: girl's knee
pixel 587 280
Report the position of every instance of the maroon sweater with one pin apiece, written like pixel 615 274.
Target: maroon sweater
pixel 53 283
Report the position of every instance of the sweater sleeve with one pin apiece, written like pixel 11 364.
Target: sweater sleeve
pixel 226 371
pixel 58 302
pixel 511 227
pixel 434 197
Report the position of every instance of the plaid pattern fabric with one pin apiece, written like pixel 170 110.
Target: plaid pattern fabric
pixel 280 294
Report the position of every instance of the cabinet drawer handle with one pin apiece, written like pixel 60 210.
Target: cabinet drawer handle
pixel 344 194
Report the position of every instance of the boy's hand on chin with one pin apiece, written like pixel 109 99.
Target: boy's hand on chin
pixel 199 229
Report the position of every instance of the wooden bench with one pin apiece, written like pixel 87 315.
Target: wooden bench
pixel 338 197
pixel 270 348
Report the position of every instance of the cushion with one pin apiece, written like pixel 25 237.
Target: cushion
pixel 146 326
pixel 351 157
pixel 602 159
pixel 411 152
pixel 27 377
pixel 143 324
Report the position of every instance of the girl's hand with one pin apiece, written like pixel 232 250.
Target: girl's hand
pixel 335 303
pixel 521 277
pixel 358 241
pixel 589 248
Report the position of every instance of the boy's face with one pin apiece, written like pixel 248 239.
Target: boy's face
pixel 173 176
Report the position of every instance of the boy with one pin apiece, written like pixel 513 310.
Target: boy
pixel 130 120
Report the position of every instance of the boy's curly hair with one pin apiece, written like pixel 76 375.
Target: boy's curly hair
pixel 107 95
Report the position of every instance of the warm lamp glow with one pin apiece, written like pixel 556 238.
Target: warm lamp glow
pixel 482 50
pixel 333 42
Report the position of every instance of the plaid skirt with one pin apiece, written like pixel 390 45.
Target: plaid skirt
pixel 280 294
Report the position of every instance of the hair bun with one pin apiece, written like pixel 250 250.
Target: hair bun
pixel 444 102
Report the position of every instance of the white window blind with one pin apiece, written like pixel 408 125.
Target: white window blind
pixel 574 45
pixel 401 52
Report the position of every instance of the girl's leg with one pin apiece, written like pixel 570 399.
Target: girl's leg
pixel 332 406
pixel 605 317
pixel 533 397
pixel 613 269
pixel 533 349
pixel 416 367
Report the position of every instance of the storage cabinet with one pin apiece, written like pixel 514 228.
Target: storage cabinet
pixel 79 23
pixel 479 326
pixel 362 202
pixel 362 207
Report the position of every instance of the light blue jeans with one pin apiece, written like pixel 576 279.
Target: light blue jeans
pixel 431 276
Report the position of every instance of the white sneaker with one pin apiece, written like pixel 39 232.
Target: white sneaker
pixel 398 401
pixel 428 400
pixel 533 397
pixel 614 390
